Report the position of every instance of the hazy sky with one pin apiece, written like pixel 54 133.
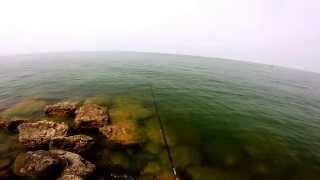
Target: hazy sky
pixel 280 32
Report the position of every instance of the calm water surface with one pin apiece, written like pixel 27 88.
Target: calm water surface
pixel 224 119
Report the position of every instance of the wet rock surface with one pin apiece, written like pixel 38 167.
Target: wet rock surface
pixel 34 163
pixel 76 143
pixel 38 134
pixel 3 123
pixel 10 124
pixel 118 148
pixel 66 108
pixel 121 133
pixel 91 116
pixel 74 165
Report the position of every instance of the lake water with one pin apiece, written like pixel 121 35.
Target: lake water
pixel 223 119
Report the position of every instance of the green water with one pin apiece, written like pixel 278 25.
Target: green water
pixel 224 119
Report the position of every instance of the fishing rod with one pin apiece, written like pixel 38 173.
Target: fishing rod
pixel 163 133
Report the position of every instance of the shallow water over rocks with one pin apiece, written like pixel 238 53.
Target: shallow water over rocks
pixel 223 119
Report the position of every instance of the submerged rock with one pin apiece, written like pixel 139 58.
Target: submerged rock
pixel 66 108
pixel 25 108
pixel 40 133
pixel 151 168
pixel 101 100
pixel 164 177
pixel 91 116
pixel 77 143
pixel 75 167
pixel 121 133
pixel 126 109
pixel 34 163
pixel 185 156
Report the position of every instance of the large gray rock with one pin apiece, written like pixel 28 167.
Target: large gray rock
pixel 75 166
pixel 34 163
pixel 38 134
pixel 91 116
pixel 76 143
pixel 66 108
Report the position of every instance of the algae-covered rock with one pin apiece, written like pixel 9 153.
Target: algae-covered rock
pixel 122 133
pixel 74 164
pixel 66 108
pixel 40 133
pixel 101 100
pixel 151 168
pixel 232 158
pixel 76 143
pixel 210 173
pixel 91 116
pixel 165 177
pixel 126 109
pixel 153 133
pixel 119 159
pixel 25 108
pixel 34 163
pixel 153 148
pixel 185 156
pixel 205 173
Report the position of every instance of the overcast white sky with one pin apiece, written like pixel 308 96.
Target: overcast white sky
pixel 279 32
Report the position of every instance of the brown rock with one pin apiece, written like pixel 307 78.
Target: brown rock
pixel 70 177
pixel 75 166
pixel 3 123
pixel 10 124
pixel 77 143
pixel 121 133
pixel 91 116
pixel 40 133
pixel 66 108
pixel 34 163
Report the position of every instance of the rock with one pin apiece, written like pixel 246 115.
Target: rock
pixel 164 177
pixel 77 143
pixel 127 109
pixel 3 123
pixel 66 108
pixel 185 156
pixel 70 177
pixel 40 133
pixel 151 168
pixel 121 133
pixel 91 116
pixel 10 125
pixel 75 166
pixel 34 163
pixel 26 108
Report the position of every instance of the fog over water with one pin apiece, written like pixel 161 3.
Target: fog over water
pixel 278 32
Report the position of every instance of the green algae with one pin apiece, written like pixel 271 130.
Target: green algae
pixel 151 168
pixel 126 109
pixel 185 156
pixel 26 108
pixel 101 100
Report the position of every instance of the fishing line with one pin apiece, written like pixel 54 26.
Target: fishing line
pixel 163 133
